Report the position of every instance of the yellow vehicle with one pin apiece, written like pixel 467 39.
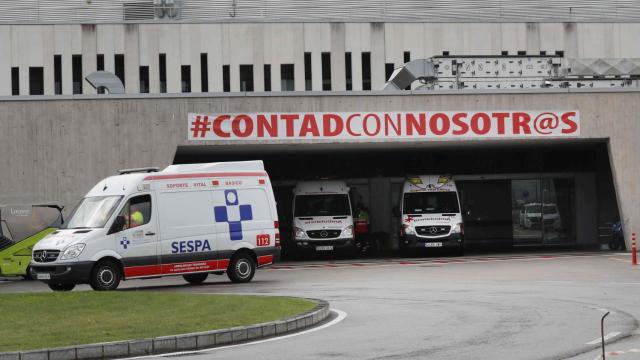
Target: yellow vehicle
pixel 21 227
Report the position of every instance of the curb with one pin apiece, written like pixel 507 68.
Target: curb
pixel 181 342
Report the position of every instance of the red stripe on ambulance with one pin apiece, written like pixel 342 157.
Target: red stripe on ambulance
pixel 204 175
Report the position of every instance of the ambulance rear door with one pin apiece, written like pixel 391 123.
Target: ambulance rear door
pixel 243 217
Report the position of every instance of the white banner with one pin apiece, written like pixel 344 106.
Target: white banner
pixel 354 126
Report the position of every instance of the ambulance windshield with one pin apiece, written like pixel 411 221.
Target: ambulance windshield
pixel 430 203
pixel 93 212
pixel 322 205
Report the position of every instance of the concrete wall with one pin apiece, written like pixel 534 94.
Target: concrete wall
pixel 235 44
pixel 57 149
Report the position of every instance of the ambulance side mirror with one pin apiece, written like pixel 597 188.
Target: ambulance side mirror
pixel 118 225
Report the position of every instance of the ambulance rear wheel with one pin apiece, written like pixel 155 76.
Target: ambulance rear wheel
pixel 105 276
pixel 241 269
pixel 195 279
pixel 61 287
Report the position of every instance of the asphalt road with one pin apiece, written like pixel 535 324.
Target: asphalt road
pixel 525 306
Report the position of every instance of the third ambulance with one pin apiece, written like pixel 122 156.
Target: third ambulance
pixel 430 214
pixel 188 220
pixel 322 216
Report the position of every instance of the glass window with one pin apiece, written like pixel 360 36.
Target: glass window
pixel 246 77
pixel 119 67
pixel 307 71
pixel 366 71
pixel 57 74
pixel 267 77
pixel 162 70
pixel 226 82
pixel 136 212
pixel 15 81
pixel 204 73
pixel 286 77
pixel 76 73
pixel 93 212
pixel 144 79
pixel 36 81
pixel 322 205
pixel 185 71
pixel 347 70
pixel 326 71
pixel 430 203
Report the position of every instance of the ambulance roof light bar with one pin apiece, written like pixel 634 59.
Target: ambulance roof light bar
pixel 139 170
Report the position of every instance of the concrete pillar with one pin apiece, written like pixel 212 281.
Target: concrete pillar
pixel 377 56
pixel 316 71
pixel 624 165
pixel 47 53
pixel 338 78
pixel 88 43
pixel 131 58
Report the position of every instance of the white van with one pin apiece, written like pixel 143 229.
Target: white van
pixel 430 214
pixel 188 220
pixel 322 218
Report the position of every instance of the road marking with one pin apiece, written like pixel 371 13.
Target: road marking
pixel 439 261
pixel 341 316
pixel 606 337
pixel 619 352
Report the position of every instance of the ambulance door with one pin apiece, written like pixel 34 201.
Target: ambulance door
pixel 243 219
pixel 187 236
pixel 134 234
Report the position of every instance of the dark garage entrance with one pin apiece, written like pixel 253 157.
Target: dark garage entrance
pixel 511 195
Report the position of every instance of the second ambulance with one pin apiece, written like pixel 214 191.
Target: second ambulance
pixel 188 220
pixel 322 218
pixel 430 214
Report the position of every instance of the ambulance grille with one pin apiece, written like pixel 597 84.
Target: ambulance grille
pixel 323 234
pixel 436 230
pixel 44 256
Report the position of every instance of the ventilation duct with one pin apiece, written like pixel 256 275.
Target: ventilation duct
pixel 421 69
pixel 106 80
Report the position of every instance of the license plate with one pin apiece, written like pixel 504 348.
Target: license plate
pixel 44 276
pixel 324 248
pixel 433 244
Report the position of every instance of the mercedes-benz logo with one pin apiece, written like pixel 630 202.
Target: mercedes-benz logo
pixel 433 229
pixel 42 256
pixel 324 233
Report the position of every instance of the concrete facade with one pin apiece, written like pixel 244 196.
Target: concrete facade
pixel 257 44
pixel 58 148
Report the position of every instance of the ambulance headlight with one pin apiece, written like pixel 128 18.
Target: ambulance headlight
pixel 408 229
pixel 457 228
pixel 348 231
pixel 72 252
pixel 298 233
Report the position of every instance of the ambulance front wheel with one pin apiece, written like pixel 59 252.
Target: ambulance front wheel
pixel 242 268
pixel 195 279
pixel 105 276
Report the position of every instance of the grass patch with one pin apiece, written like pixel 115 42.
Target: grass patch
pixel 45 320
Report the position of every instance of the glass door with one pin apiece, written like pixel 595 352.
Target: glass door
pixel 557 211
pixel 542 211
pixel 526 207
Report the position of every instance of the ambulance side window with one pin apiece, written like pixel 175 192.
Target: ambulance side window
pixel 136 212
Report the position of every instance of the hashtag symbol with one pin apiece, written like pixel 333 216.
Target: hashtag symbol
pixel 200 126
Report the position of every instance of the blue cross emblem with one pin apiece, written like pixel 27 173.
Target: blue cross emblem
pixel 221 214
pixel 125 242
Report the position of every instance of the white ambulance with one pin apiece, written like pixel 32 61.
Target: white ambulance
pixel 188 220
pixel 322 216
pixel 430 214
